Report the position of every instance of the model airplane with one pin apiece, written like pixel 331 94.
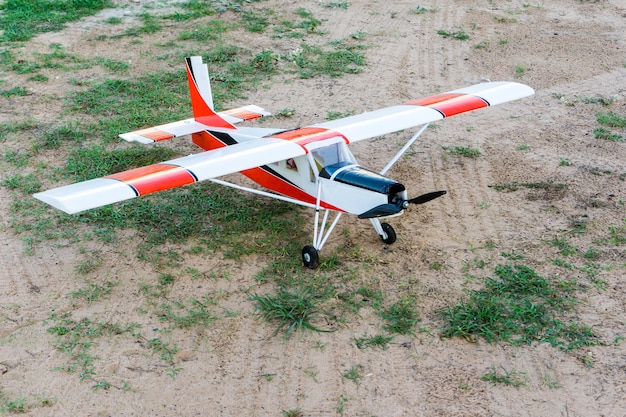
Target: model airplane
pixel 310 165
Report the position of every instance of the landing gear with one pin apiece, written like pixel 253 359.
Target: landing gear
pixel 390 235
pixel 385 231
pixel 310 257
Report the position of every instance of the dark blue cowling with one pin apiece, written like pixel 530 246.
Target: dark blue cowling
pixel 363 178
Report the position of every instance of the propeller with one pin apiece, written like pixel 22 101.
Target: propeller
pixel 399 204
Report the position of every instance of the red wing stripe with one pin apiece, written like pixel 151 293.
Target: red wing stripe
pixel 154 134
pixel 306 135
pixel 450 104
pixel 157 177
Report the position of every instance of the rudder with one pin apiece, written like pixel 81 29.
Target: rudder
pixel 201 96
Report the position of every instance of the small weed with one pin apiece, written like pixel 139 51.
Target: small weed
pixel 564 245
pixel 336 5
pixel 333 115
pixel 354 374
pixel 520 70
pixel 341 404
pixel 513 378
pixel 551 382
pixel 94 292
pixel 379 341
pixel 285 113
pixel 401 317
pixel 166 352
pixel 105 385
pixel 617 234
pixel 16 406
pixel 458 35
pixel 462 151
pixel 565 162
pixel 296 412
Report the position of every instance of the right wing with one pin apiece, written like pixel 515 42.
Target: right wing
pixel 426 110
pixel 133 183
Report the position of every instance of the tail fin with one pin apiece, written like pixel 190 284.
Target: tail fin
pixel 201 97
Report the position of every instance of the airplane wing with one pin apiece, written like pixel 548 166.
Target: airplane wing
pixel 425 110
pixel 133 183
pixel 189 126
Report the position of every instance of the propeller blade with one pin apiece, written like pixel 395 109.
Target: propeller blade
pixel 425 198
pixel 381 211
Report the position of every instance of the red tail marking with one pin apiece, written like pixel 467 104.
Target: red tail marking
pixel 153 178
pixel 451 104
pixel 201 111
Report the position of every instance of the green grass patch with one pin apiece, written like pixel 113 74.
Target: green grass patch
pixel 400 317
pixel 341 59
pixel 292 309
pixel 462 151
pixel 380 341
pixel 518 306
pixel 513 378
pixel 610 120
pixel 21 20
pixel 459 35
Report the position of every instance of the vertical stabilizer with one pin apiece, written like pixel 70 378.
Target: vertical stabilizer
pixel 201 96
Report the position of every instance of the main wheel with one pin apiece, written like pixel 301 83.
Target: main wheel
pixel 391 234
pixel 310 257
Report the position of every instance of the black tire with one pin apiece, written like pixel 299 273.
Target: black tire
pixel 391 234
pixel 310 257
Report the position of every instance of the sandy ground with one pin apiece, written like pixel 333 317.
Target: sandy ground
pixel 569 51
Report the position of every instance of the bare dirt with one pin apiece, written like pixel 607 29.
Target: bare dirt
pixel 571 52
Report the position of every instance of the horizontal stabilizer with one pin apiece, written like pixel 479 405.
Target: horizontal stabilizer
pixel 189 126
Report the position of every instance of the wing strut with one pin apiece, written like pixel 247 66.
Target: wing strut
pixel 261 192
pixel 404 149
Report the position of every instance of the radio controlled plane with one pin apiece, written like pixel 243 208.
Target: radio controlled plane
pixel 311 166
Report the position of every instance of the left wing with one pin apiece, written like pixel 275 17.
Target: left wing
pixel 133 183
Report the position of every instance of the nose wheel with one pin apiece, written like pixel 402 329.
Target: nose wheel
pixel 310 257
pixel 389 235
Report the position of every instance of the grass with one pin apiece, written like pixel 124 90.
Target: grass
pixel 23 19
pixel 354 374
pixel 291 309
pixel 462 151
pixel 377 341
pixel 518 306
pixel 610 120
pixel 513 377
pixel 341 58
pixel 401 317
pixel 459 35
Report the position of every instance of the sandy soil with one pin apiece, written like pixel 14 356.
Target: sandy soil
pixel 570 51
